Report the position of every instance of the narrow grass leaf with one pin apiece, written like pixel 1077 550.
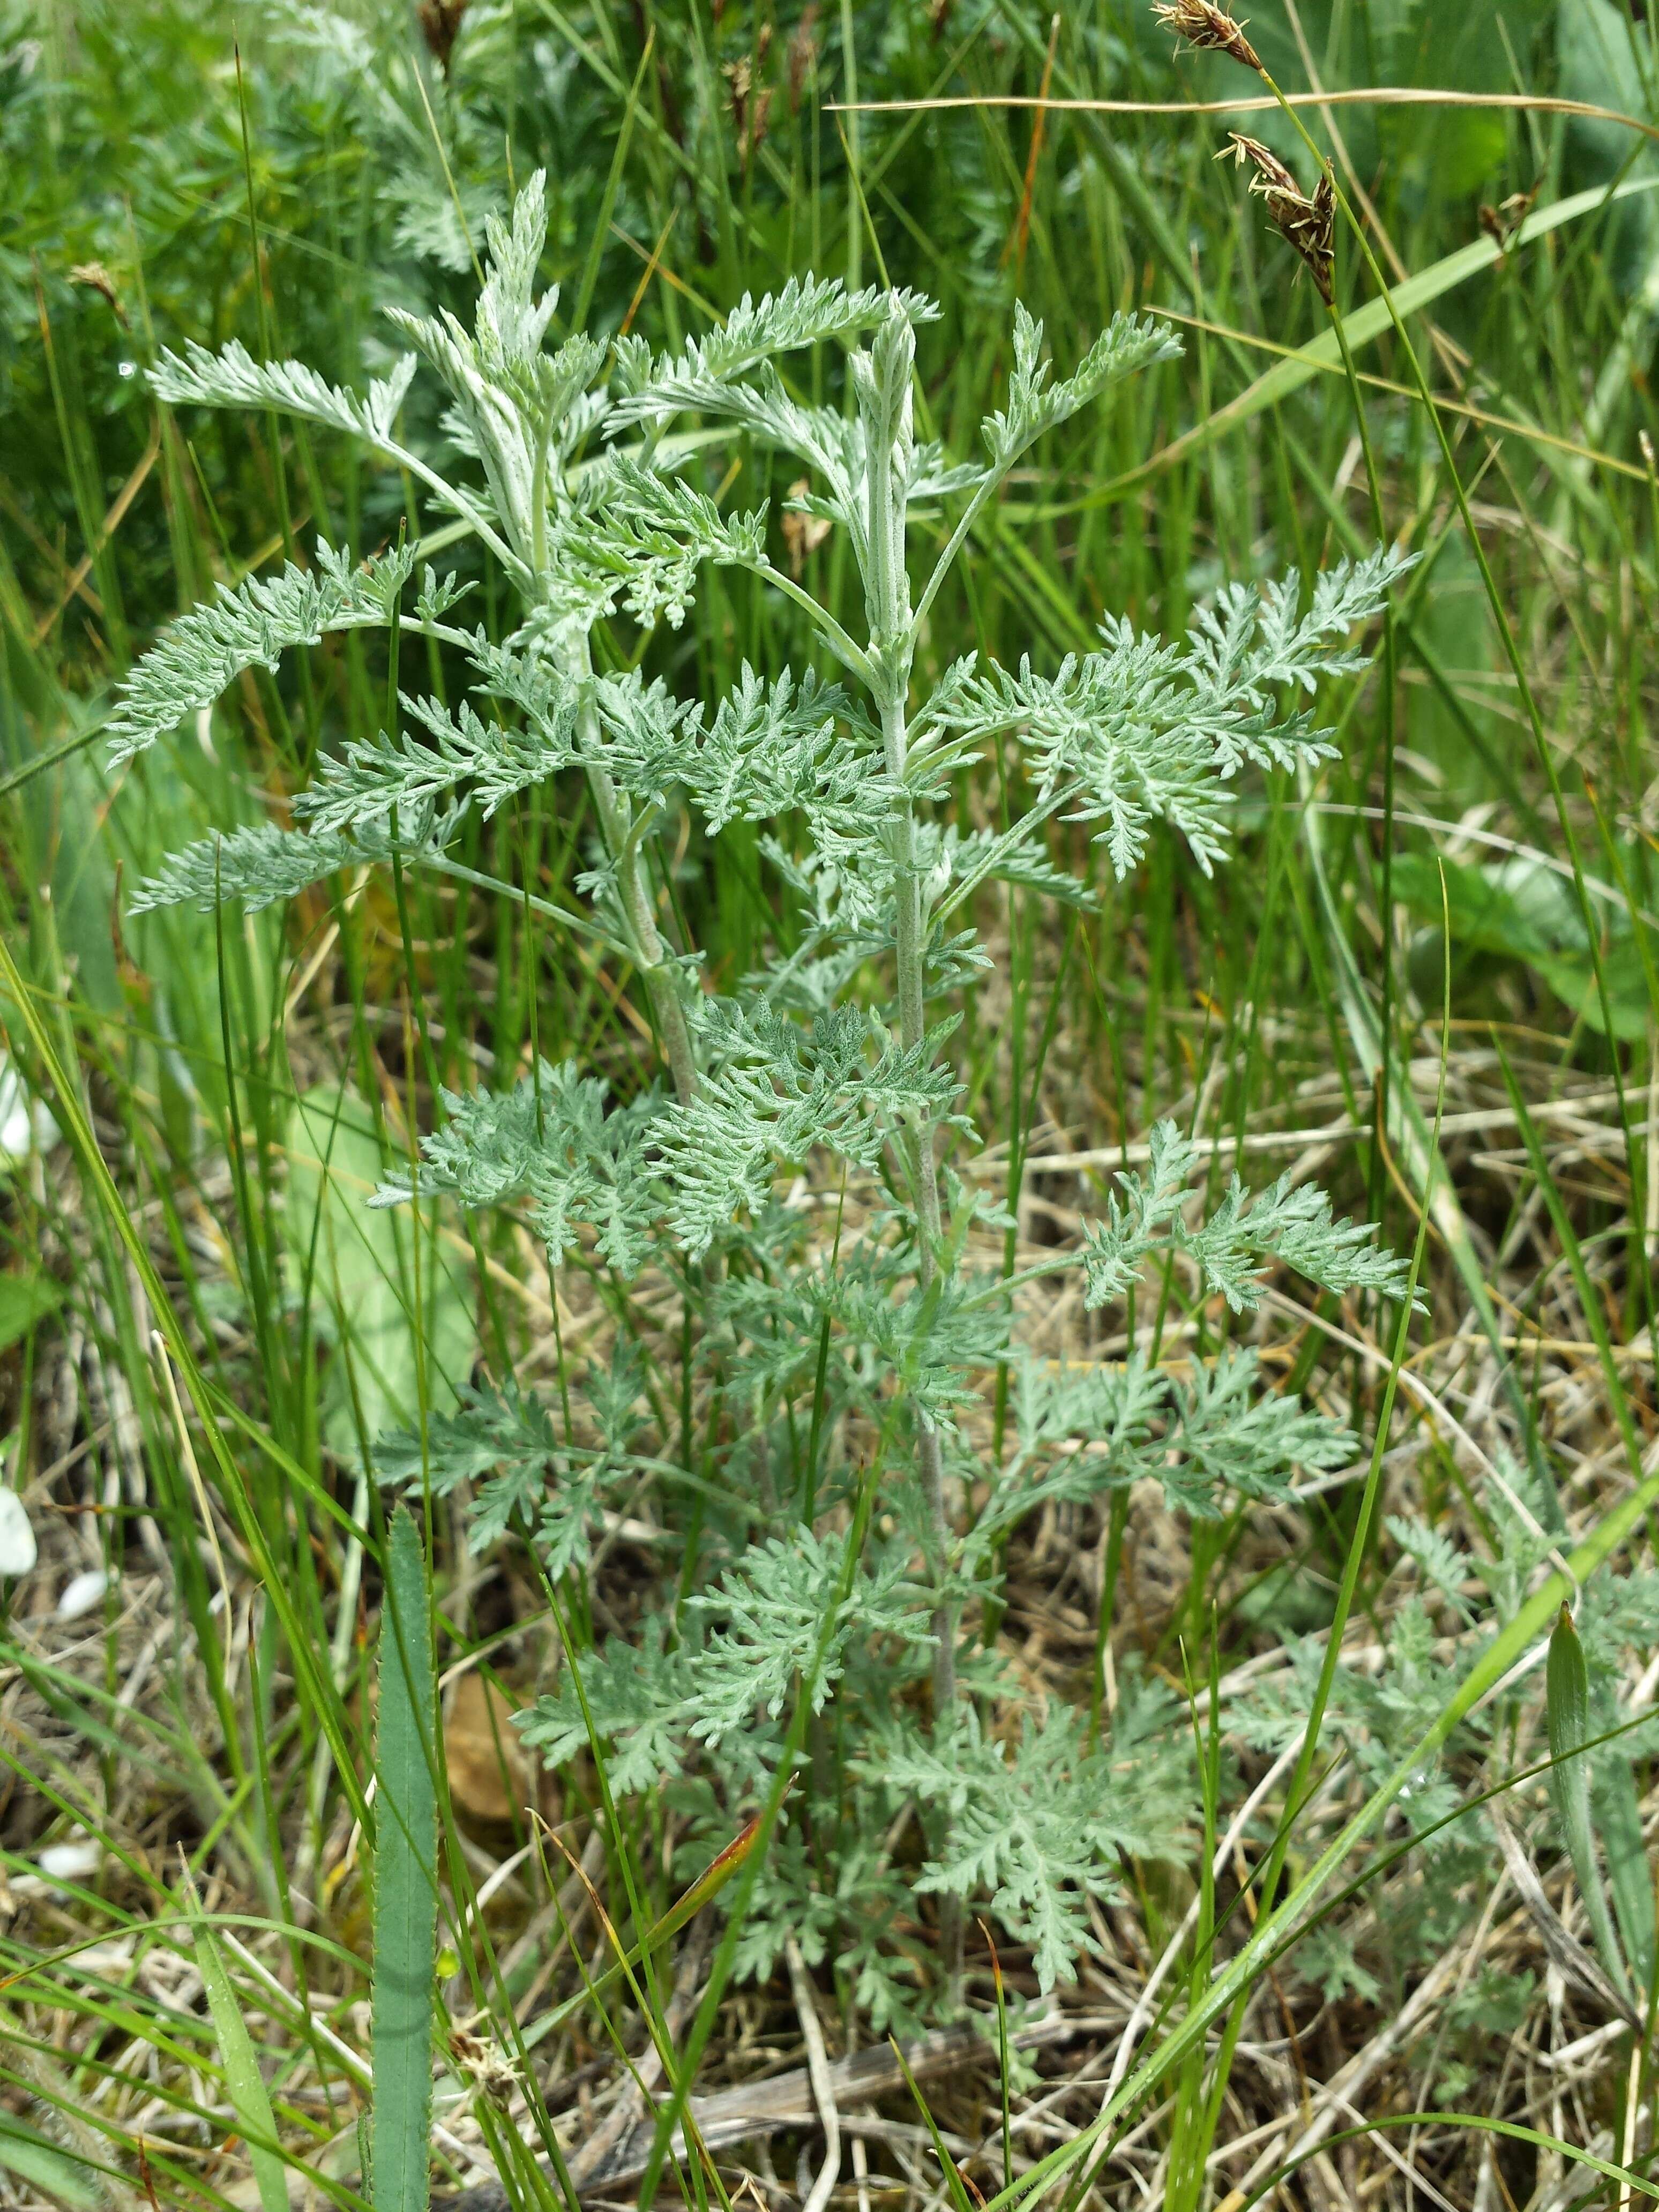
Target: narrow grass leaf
pixel 953 2180
pixel 1616 1812
pixel 405 1883
pixel 1512 2129
pixel 1365 324
pixel 44 2166
pixel 1590 1304
pixel 1566 1690
pixel 249 2099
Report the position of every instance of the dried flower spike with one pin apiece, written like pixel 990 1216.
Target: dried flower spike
pixel 1308 225
pixel 1203 25
pixel 1501 222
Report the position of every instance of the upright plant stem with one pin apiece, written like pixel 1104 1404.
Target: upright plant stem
pixel 892 643
pixel 1379 523
pixel 909 958
pixel 622 844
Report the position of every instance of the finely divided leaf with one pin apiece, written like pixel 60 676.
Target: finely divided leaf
pixel 1034 404
pixel 198 656
pixel 262 864
pixel 1286 1225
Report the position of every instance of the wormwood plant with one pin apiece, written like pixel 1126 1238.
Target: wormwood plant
pixel 834 1372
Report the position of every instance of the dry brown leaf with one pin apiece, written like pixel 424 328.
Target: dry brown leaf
pixel 488 1773
pixel 802 533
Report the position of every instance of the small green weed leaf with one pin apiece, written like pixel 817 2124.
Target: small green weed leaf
pixel 1567 1699
pixel 360 1265
pixel 405 1882
pixel 1519 909
pixel 26 1300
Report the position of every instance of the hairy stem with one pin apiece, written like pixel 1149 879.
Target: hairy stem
pixel 910 956
pixel 910 953
pixel 661 985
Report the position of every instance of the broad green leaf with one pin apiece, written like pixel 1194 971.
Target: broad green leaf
pixel 1489 910
pixel 405 1882
pixel 1518 909
pixel 363 1272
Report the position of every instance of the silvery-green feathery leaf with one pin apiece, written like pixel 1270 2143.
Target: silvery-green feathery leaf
pixel 232 377
pixel 1231 1436
pixel 1034 404
pixel 650 738
pixel 1440 1561
pixel 1208 1437
pixel 550 1139
pixel 1288 1225
pixel 513 398
pixel 772 748
pixel 498 1442
pixel 656 530
pixel 761 1627
pixel 1041 1824
pixel 368 779
pixel 200 655
pixel 262 864
pixel 806 312
pixel 1145 731
pixel 773 1092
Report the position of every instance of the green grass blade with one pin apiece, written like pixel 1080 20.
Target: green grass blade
pixel 1566 1690
pixel 953 2181
pixel 1616 1812
pixel 1361 327
pixel 405 1883
pixel 1590 1303
pixel 1414 1144
pixel 35 2159
pixel 1280 1928
pixel 701 1892
pixel 249 2099
pixel 1513 2130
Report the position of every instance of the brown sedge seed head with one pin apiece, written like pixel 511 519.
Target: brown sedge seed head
pixel 1205 27
pixel 1306 224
